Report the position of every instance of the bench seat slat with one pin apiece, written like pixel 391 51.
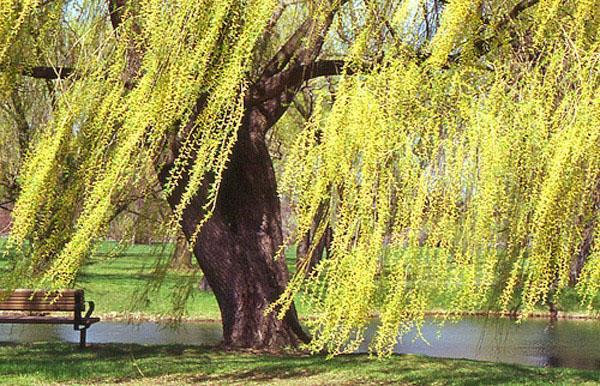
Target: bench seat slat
pixel 31 319
pixel 36 301
pixel 36 304
pixel 42 297
pixel 29 293
pixel 30 300
pixel 37 307
pixel 39 300
pixel 41 293
pixel 24 305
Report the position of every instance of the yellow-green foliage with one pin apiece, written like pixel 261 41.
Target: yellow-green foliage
pixel 13 14
pixel 463 182
pixel 458 19
pixel 469 171
pixel 103 131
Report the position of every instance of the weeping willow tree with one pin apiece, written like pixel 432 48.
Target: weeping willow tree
pixel 461 154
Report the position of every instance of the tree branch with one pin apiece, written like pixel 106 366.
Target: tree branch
pixel 292 46
pixel 482 45
pixel 273 22
pixel 134 53
pixel 115 10
pixel 271 95
pixel 286 52
pixel 46 72
pixel 515 12
pixel 293 77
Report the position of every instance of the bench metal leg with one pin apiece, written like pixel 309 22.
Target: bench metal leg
pixel 82 335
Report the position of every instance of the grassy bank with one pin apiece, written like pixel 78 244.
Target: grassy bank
pixel 175 365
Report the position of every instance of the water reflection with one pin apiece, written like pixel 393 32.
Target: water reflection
pixel 565 343
pixel 117 332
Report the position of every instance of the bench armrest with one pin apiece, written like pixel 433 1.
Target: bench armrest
pixel 90 309
pixel 81 322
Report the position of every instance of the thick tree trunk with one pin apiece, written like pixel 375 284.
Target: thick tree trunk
pixel 237 245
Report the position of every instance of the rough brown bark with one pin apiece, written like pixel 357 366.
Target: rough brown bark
pixel 236 246
pixel 5 218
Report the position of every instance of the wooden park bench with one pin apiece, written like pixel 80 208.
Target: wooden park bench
pixel 27 306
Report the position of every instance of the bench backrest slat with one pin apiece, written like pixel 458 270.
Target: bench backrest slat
pixel 29 300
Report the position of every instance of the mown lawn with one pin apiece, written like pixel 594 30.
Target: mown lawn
pixel 54 363
pixel 117 278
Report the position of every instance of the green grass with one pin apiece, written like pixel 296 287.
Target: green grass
pixel 116 284
pixel 115 279
pixel 151 365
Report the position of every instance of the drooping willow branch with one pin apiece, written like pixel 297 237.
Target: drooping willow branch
pixel 49 73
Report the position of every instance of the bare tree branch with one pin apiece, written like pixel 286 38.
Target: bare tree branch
pixel 115 10
pixel 294 77
pixel 482 45
pixel 292 47
pixel 47 72
pixel 285 53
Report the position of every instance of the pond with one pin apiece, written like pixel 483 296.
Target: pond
pixel 565 343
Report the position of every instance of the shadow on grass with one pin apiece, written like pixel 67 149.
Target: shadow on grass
pixel 59 362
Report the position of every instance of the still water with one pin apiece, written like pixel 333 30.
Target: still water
pixel 565 343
